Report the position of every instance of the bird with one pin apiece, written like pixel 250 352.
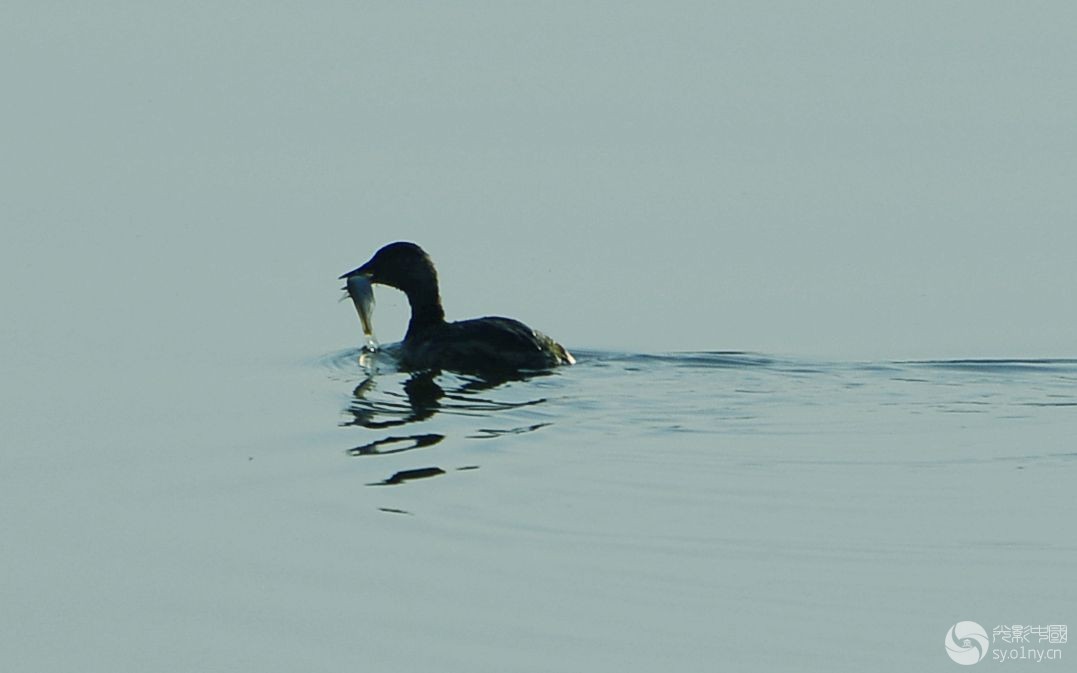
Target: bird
pixel 493 345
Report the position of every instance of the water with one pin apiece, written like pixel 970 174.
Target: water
pixel 640 511
pixel 634 512
pixel 704 510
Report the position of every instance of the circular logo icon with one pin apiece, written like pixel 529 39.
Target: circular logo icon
pixel 967 643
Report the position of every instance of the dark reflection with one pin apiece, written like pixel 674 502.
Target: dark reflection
pixel 423 397
pixel 387 401
pixel 487 433
pixel 408 475
pixel 417 442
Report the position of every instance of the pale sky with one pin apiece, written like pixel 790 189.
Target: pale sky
pixel 841 179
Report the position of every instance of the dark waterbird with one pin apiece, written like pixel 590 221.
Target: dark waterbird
pixel 483 345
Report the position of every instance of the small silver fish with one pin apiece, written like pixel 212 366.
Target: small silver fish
pixel 362 295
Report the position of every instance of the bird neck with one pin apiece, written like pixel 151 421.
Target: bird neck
pixel 420 284
pixel 426 312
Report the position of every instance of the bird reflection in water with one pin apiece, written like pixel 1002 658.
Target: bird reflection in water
pixel 420 397
pixel 423 397
pixel 423 400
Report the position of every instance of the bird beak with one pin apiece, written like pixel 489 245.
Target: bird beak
pixel 361 271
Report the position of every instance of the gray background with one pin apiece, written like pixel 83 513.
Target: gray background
pixel 853 180
pixel 182 184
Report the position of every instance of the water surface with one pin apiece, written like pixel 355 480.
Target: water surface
pixel 769 512
pixel 634 512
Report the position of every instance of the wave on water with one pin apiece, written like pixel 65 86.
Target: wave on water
pixel 703 359
pixel 345 362
pixel 1001 366
pixel 720 393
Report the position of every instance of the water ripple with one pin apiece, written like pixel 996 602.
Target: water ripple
pixel 727 396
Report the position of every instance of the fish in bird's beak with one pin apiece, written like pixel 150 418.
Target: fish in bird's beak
pixel 362 295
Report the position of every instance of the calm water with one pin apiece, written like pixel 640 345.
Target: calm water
pixel 688 511
pixel 638 510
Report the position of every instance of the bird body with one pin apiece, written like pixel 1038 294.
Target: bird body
pixel 490 344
